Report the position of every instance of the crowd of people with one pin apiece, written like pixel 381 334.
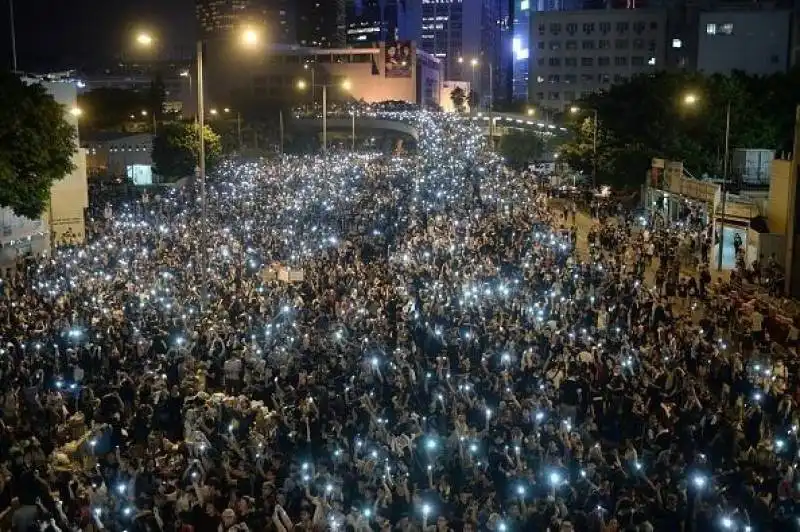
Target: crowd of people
pixel 362 342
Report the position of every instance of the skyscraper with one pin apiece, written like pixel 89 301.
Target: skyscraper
pixel 457 32
pixel 371 21
pixel 217 17
pixel 520 48
pixel 280 18
pixel 320 22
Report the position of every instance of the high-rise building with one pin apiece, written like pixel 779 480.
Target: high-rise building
pixel 371 21
pixel 217 17
pixel 505 69
pixel 465 36
pixel 575 53
pixel 280 18
pixel 321 23
pixel 520 50
pixel 753 41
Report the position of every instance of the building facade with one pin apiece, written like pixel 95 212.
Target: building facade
pixel 755 42
pixel 120 155
pixel 321 23
pixel 575 53
pixel 69 197
pixel 458 32
pixel 373 21
pixel 219 17
pixel 521 50
pixel 374 75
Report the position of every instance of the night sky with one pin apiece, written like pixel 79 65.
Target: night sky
pixel 61 34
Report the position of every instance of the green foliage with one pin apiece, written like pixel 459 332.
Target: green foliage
pixel 458 96
pixel 176 149
pixel 647 117
pixel 36 145
pixel 519 148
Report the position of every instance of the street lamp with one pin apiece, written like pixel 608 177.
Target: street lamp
pixel 188 74
pixel 227 110
pixel 691 100
pixel 575 110
pixel 77 112
pixel 345 85
pixel 144 39
pixel 531 111
pixel 250 38
pixel 213 112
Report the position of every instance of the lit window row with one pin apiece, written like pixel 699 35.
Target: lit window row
pixel 719 29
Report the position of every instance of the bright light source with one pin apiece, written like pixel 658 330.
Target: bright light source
pixel 185 74
pixel 574 109
pixel 213 111
pixel 474 62
pixel 145 39
pixel 144 113
pixel 690 99
pixel 227 109
pixel 524 5
pixel 76 111
pixel 346 85
pixel 677 43
pixel 250 37
pixel 301 84
pixel 651 61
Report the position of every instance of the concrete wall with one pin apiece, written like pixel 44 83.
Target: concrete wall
pixel 112 157
pixel 777 207
pixel 275 74
pixel 68 196
pixel 756 42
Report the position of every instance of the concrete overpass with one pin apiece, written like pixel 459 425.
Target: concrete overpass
pixel 362 124
pixel 404 122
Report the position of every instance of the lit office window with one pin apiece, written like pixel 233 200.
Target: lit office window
pixel 711 29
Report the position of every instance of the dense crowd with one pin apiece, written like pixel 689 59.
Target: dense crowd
pixel 384 343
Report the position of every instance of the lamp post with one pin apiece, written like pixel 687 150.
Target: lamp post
pixel 313 82
pixel 144 114
pixel 187 74
pixel 576 110
pixel 346 85
pixel 691 100
pixel 250 38
pixel 238 126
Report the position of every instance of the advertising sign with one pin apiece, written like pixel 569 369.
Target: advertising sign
pixel 398 59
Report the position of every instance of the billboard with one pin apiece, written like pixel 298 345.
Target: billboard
pixel 398 59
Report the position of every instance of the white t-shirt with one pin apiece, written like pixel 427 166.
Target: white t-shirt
pixel 232 368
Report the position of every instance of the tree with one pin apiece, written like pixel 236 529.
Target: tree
pixel 519 148
pixel 659 124
pixel 176 149
pixel 36 145
pixel 458 96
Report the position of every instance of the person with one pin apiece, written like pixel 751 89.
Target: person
pixel 462 380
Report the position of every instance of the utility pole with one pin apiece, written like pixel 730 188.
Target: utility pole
pixel 724 186
pixel 201 119
pixel 13 36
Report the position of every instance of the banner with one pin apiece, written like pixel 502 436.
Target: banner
pixel 398 59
